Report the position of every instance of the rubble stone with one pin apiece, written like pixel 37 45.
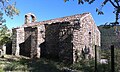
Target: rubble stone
pixel 66 39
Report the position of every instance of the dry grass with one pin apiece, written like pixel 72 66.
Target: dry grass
pixel 25 64
pixel 12 63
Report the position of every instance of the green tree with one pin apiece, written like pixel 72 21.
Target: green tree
pixel 8 8
pixel 4 31
pixel 4 35
pixel 114 3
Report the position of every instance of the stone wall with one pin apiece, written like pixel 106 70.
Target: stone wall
pixel 62 38
pixel 58 37
pixel 17 39
pixel 40 39
pixel 26 41
pixel 2 50
pixel 52 40
pixel 86 37
pixel 14 37
pixel 29 46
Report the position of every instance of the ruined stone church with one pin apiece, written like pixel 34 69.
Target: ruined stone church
pixel 67 38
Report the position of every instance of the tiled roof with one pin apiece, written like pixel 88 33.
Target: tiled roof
pixel 62 19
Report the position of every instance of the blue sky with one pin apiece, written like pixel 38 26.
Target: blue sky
pixel 50 9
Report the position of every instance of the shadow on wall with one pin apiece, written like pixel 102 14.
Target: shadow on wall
pixel 25 51
pixel 58 41
pixel 43 49
pixel 58 45
pixel 22 49
pixel 9 47
pixel 29 46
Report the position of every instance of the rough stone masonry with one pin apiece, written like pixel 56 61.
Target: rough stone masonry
pixel 67 39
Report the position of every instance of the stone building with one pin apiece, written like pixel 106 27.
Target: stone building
pixel 67 39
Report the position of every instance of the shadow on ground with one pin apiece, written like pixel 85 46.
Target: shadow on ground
pixel 24 64
pixel 40 65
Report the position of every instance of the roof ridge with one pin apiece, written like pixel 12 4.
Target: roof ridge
pixel 55 20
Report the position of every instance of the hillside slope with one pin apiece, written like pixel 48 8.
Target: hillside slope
pixel 109 36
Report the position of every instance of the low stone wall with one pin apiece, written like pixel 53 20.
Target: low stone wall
pixel 1 53
pixel 2 50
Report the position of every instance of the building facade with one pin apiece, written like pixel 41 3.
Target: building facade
pixel 67 39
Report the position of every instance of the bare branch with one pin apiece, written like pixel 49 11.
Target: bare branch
pixel 117 2
pixel 117 14
pixel 113 4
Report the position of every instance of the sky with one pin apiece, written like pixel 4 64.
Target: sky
pixel 50 9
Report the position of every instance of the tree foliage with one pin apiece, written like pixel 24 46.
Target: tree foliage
pixel 4 35
pixel 114 3
pixel 9 8
pixel 4 32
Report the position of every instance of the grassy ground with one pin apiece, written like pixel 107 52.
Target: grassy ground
pixel 24 64
pixel 12 63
